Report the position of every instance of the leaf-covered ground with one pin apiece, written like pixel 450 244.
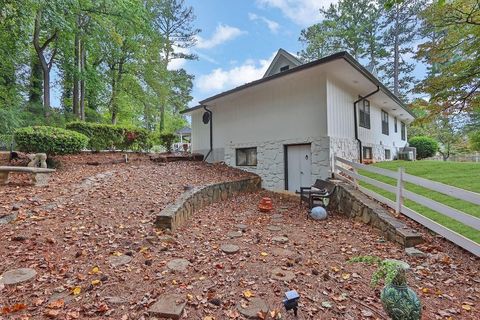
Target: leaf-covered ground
pixel 70 231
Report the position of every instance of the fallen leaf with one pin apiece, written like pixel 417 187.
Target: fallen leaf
pixel 208 318
pixel 248 294
pixel 76 291
pixel 346 276
pixel 326 304
pixel 95 270
pixel 96 282
pixel 57 304
pixel 263 254
pixel 466 307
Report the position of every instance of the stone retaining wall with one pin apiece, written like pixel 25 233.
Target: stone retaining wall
pixel 355 204
pixel 197 198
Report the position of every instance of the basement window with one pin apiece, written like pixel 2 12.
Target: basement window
pixel 364 114
pixel 403 131
pixel 367 153
pixel 385 123
pixel 246 156
pixel 284 68
pixel 388 154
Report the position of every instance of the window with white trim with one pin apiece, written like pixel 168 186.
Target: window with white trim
pixel 246 156
pixel 403 131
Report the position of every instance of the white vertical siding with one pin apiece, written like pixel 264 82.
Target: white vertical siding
pixel 341 121
pixel 291 107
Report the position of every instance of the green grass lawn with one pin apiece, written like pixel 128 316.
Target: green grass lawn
pixel 459 174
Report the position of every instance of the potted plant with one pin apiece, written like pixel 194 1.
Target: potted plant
pixel 398 300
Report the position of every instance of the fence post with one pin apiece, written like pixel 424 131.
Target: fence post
pixel 399 199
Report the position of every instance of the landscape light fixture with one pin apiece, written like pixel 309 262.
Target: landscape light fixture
pixel 291 301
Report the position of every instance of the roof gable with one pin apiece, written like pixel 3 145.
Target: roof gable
pixel 283 61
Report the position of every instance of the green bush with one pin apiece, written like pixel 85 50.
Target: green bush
pixel 49 140
pixel 112 137
pixel 5 141
pixel 426 146
pixel 167 140
pixel 102 136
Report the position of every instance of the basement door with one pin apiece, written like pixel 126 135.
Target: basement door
pixel 299 166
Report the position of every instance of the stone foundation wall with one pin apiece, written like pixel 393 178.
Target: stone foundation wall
pixel 355 204
pixel 197 198
pixel 271 159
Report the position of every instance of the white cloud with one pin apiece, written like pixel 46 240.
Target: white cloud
pixel 272 25
pixel 302 12
pixel 223 33
pixel 220 79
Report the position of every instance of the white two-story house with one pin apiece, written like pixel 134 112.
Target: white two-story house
pixel 287 125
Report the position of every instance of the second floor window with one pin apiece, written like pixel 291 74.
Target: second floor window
pixel 364 114
pixel 404 131
pixel 395 124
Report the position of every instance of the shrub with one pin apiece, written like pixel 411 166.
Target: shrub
pixel 102 136
pixel 167 140
pixel 111 137
pixel 426 146
pixel 50 140
pixel 136 139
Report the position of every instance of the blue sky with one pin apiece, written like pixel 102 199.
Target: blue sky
pixel 240 37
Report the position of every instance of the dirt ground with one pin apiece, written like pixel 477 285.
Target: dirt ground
pixel 69 232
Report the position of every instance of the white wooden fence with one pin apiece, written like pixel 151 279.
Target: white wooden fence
pixel 350 169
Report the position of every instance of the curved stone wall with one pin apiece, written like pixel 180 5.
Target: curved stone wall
pixel 197 198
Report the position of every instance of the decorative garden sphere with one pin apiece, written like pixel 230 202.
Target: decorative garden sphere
pixel 318 213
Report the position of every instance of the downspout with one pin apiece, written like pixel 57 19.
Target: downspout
pixel 211 132
pixel 360 155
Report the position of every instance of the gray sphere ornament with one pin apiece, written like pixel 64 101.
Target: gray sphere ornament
pixel 318 213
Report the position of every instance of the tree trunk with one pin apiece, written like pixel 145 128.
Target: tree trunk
pixel 36 83
pixel 82 81
pixel 162 117
pixel 46 66
pixel 76 74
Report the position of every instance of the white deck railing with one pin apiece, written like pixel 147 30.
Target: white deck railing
pixel 350 169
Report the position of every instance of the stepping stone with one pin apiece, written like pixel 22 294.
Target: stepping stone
pixel 234 234
pixel 115 300
pixel 274 228
pixel 282 275
pixel 166 238
pixel 117 261
pixel 280 239
pixel 414 252
pixel 241 226
pixel 277 216
pixel 229 248
pixel 250 309
pixel 17 275
pixel 66 296
pixel 282 252
pixel 179 265
pixel 168 306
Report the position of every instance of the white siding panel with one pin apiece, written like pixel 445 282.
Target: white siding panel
pixel 340 111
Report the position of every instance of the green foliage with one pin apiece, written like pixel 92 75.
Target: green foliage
pixel 49 140
pixel 386 270
pixel 111 137
pixel 474 139
pixel 5 141
pixel 166 140
pixel 101 136
pixel 453 51
pixel 426 146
